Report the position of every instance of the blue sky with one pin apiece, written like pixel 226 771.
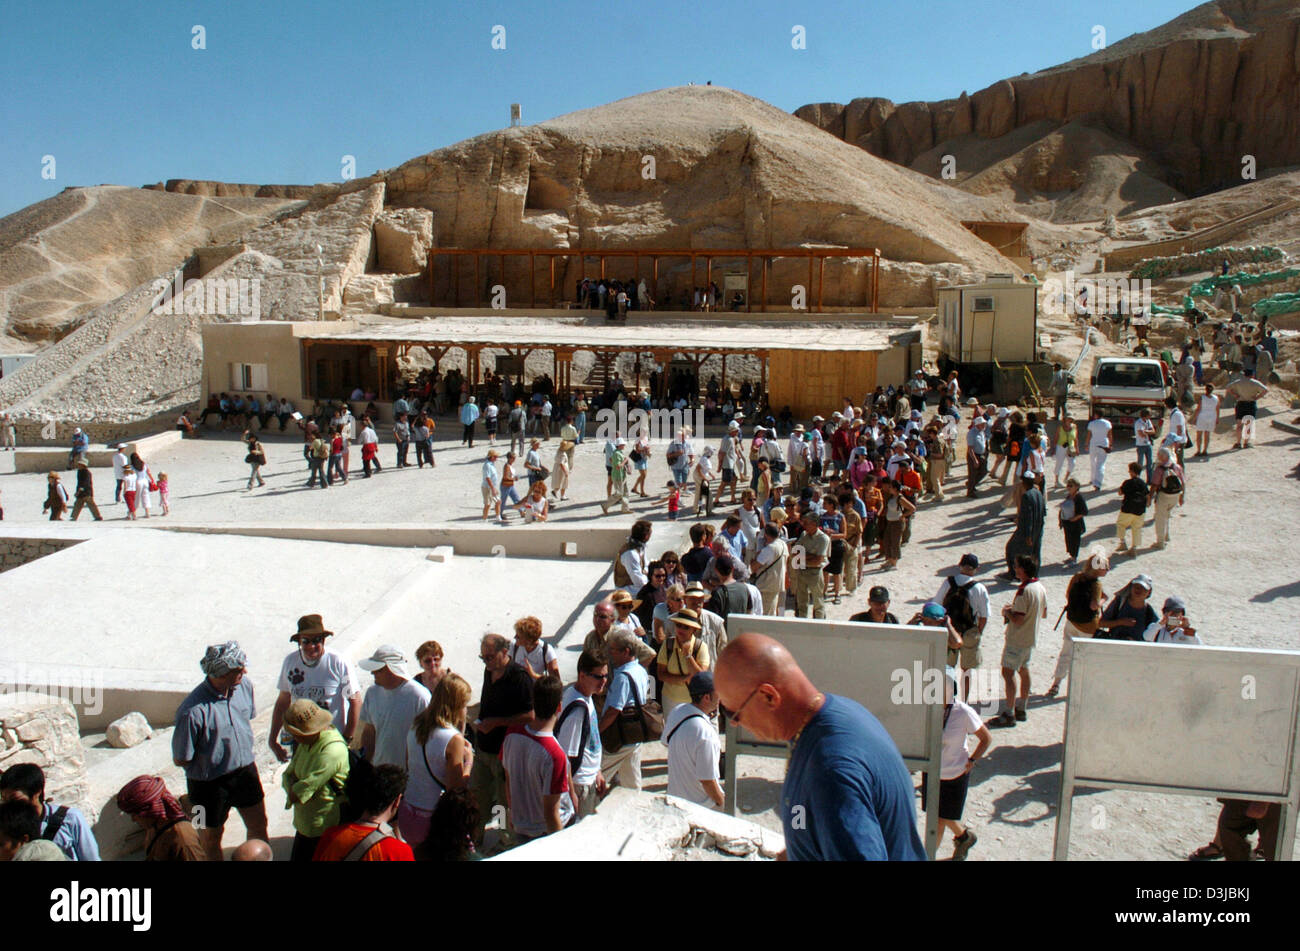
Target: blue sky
pixel 116 93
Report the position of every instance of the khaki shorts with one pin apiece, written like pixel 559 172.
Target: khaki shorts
pixel 1015 658
pixel 971 657
pixel 488 497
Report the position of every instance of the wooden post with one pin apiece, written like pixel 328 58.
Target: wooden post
pixel 636 368
pixel 602 267
pixel 478 283
pixel 821 277
pixel 552 259
pixel 749 282
pixel 693 280
pixel 875 282
pixel 455 263
pixel 724 374
pixel 708 277
pixel 808 293
pixel 762 304
pixel 501 258
pixel 532 281
pixel 762 381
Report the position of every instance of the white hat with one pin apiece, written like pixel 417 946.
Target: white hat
pixel 733 426
pixel 916 414
pixel 620 441
pixel 819 419
pixel 1003 413
pixel 386 655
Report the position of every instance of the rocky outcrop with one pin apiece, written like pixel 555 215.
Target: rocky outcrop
pixel 1216 84
pixel 403 237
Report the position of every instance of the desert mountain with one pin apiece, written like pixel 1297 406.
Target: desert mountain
pixel 1185 102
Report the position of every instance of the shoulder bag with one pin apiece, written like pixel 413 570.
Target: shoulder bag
pixel 636 723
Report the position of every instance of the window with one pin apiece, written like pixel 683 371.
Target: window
pixel 248 376
pixel 1140 375
pixel 983 304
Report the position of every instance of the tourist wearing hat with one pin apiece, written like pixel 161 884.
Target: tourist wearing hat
pixel 1129 614
pixel 213 742
pixel 730 459
pixel 694 747
pixel 80 446
pixel 316 775
pixel 390 706
pixel 800 458
pixel 933 614
pixel 314 672
pixel 169 836
pixel 1083 605
pixel 768 569
pixel 119 470
pixel 877 611
pixel 681 657
pixel 85 494
pixel 624 604
pixel 1173 626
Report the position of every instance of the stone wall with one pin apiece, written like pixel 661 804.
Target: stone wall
pixel 41 729
pixel 19 551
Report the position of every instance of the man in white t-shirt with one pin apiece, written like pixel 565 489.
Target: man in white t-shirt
pixel 1098 447
pixel 322 676
pixel 119 470
pixel 694 746
pixel 1022 615
pixel 1176 436
pixel 537 771
pixel 389 707
pixel 960 722
pixel 578 719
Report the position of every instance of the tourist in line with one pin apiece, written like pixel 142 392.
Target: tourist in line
pixel 169 835
pixel 694 747
pixel 324 676
pixel 877 611
pixel 1098 446
pixel 960 723
pixel 977 454
pixel 1132 510
pixel 629 686
pixel 315 779
pixel 402 438
pixel 897 509
pixel 1067 448
pixel 808 556
pixel 1168 490
pixel 845 773
pixel 1021 616
pixel 469 414
pixel 536 770
pixel 505 700
pixel 369 447
pixel 337 448
pixel 1071 519
pixel 429 657
pixel 577 730
pixel 1083 602
pixel 85 493
pixel 389 707
pixel 213 741
pixel 681 657
pixel 532 653
pixel 65 826
pixel 438 756
pixel 379 797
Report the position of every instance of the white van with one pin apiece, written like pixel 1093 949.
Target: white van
pixel 1123 386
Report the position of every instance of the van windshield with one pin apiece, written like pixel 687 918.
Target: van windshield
pixel 1138 375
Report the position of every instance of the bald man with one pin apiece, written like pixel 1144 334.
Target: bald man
pixel 254 850
pixel 847 795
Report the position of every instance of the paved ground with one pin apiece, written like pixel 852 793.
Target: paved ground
pixel 1229 558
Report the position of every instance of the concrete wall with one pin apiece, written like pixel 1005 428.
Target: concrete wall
pixel 272 343
pixel 55 458
pixel 19 551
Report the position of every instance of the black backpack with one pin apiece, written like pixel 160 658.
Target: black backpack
pixel 576 761
pixel 1170 482
pixel 957 603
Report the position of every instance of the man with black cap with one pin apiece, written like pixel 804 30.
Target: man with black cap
pixel 877 611
pixel 213 741
pixel 694 746
pixel 322 676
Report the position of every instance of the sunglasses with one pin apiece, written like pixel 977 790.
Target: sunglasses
pixel 734 715
pixel 601 677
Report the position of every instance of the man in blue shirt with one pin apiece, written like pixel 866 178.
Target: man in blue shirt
pixel 847 794
pixel 65 826
pixel 468 417
pixel 627 677
pixel 213 741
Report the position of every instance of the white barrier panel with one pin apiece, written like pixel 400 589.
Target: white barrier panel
pixel 894 670
pixel 1183 719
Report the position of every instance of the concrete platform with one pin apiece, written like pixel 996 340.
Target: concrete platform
pixel 55 458
pixel 119 622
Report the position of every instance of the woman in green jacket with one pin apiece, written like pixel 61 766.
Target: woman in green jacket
pixel 316 774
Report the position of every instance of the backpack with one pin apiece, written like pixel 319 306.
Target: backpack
pixel 957 603
pixel 576 761
pixel 1170 482
pixel 55 824
pixel 319 450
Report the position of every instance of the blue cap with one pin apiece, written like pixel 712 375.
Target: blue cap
pixel 933 609
pixel 700 684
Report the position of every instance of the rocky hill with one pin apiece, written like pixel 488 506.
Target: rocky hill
pixel 1186 101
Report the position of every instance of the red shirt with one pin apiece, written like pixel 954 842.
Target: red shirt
pixel 337 841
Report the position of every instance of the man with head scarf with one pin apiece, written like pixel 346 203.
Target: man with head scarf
pixel 213 741
pixel 169 834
